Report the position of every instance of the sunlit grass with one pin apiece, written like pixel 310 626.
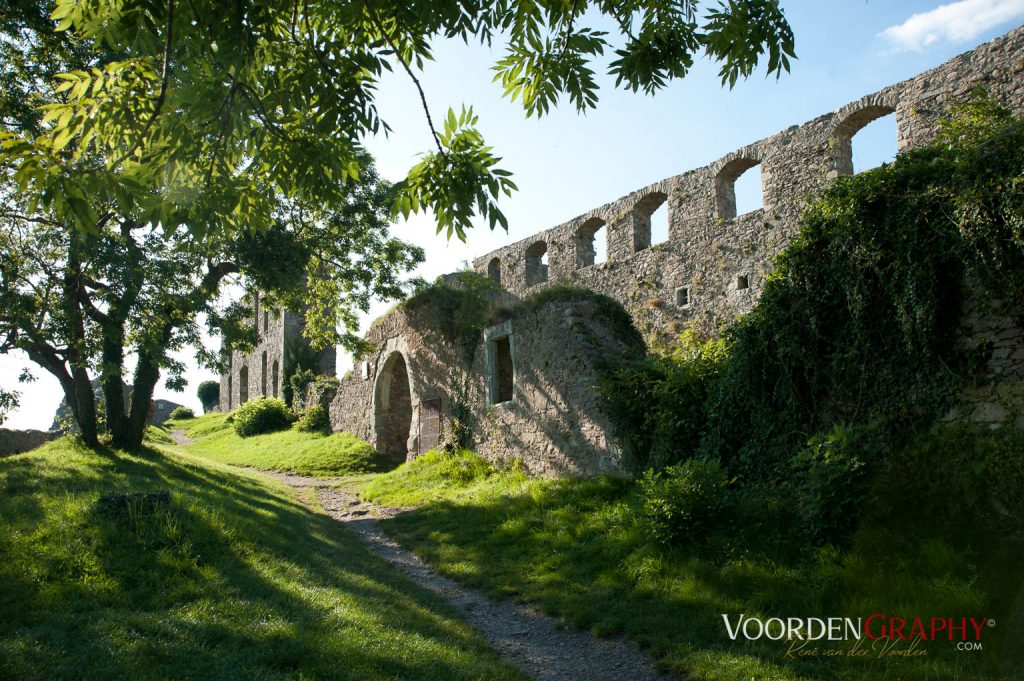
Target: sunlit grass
pixel 578 549
pixel 290 451
pixel 232 578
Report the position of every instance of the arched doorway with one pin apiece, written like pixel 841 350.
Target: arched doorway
pixel 392 407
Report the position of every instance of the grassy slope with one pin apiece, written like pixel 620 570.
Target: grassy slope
pixel 576 548
pixel 289 451
pixel 232 579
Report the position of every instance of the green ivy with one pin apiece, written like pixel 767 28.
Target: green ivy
pixel 855 344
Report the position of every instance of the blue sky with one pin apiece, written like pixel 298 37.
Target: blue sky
pixel 565 164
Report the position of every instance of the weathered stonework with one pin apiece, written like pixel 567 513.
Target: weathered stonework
pixel 711 253
pixel 264 371
pixel 19 441
pixel 528 392
pixel 552 424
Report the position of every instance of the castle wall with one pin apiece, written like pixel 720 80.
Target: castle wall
pixel 552 424
pixel 264 371
pixel 528 392
pixel 713 266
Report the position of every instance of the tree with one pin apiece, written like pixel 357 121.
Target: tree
pixel 208 393
pixel 150 151
pixel 224 108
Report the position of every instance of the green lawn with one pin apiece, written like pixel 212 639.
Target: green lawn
pixel 231 578
pixel 286 451
pixel 578 549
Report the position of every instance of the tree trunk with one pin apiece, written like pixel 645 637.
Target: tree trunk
pixel 113 389
pixel 147 373
pixel 82 401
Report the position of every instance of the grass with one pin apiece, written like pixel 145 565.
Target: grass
pixel 287 451
pixel 230 578
pixel 579 550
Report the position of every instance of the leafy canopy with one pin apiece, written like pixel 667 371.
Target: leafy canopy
pixel 203 114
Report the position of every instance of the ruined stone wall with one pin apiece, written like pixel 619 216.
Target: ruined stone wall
pixel 264 371
pixel 711 269
pixel 714 263
pixel 552 424
pixel 19 441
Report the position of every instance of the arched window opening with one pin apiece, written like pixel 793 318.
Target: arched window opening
pixel 263 374
pixel 739 188
pixel 536 263
pixel 591 243
pixel 266 321
pixel 243 385
pixel 865 139
pixel 275 378
pixel 659 225
pixel 650 221
pixel 494 270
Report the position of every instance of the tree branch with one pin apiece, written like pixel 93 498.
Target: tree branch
pixel 165 75
pixel 416 82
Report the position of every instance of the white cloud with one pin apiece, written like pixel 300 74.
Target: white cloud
pixel 955 22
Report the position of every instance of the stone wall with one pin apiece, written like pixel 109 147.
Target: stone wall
pixel 552 424
pixel 18 441
pixel 714 263
pixel 711 269
pixel 265 370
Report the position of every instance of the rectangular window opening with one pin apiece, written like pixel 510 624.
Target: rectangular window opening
pixel 504 379
pixel 683 296
pixel 742 282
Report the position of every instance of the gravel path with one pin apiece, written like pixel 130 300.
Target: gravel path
pixel 532 641
pixel 180 438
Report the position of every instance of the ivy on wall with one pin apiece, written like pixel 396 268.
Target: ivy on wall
pixel 855 343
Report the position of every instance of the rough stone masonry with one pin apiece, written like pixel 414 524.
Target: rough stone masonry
pixel 529 390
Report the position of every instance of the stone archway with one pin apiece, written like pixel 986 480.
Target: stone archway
pixel 392 407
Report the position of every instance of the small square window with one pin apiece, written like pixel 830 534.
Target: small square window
pixel 742 282
pixel 683 296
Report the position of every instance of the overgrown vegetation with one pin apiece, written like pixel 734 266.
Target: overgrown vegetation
pixel 853 346
pixel 313 420
pixel 306 453
pixel 181 413
pixel 190 570
pixel 208 393
pixel 584 550
pixel 262 415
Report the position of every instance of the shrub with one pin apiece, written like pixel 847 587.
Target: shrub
pixel 262 415
pixel 182 413
pixel 832 475
pixel 208 393
pixel 313 420
pixel 298 383
pixel 658 403
pixel 682 503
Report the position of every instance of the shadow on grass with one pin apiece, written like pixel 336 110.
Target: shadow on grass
pixel 230 579
pixel 575 548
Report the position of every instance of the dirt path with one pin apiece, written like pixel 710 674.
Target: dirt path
pixel 532 641
pixel 180 438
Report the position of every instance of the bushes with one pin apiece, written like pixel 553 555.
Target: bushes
pixel 683 503
pixel 262 415
pixel 659 403
pixel 208 393
pixel 182 413
pixel 853 347
pixel 313 420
